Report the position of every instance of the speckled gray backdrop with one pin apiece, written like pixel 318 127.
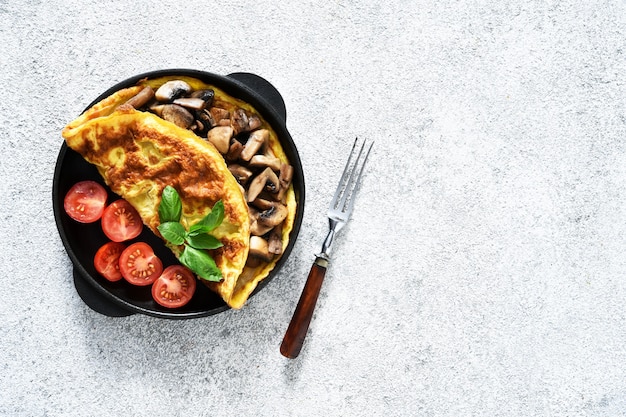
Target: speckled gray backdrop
pixel 483 271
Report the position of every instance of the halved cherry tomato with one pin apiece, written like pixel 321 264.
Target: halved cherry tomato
pixel 107 259
pixel 85 201
pixel 139 265
pixel 175 287
pixel 120 221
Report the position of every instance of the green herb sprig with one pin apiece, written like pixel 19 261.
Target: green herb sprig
pixel 195 240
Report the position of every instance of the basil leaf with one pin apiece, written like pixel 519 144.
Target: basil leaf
pixel 171 207
pixel 201 264
pixel 204 241
pixel 173 232
pixel 210 221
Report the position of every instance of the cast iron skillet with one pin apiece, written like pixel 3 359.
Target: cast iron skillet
pixel 81 241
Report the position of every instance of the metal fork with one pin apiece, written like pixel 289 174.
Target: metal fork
pixel 339 212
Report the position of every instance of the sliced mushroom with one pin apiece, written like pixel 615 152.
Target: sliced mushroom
pixel 267 179
pixel 242 121
pixel 259 248
pixel 241 173
pixel 257 139
pixel 206 95
pixel 239 120
pixel 265 161
pixel 267 151
pixel 190 103
pixel 253 262
pixel 275 241
pixel 157 108
pixel 285 177
pixel 219 115
pixel 177 115
pixel 254 122
pixel 234 151
pixel 171 90
pixel 274 215
pixel 142 97
pixel 262 204
pixel 206 118
pixel 257 228
pixel 198 127
pixel 220 137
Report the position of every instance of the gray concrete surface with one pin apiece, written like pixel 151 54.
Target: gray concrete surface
pixel 483 272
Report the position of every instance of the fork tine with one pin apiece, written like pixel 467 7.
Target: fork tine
pixel 342 180
pixel 355 184
pixel 347 184
pixel 349 180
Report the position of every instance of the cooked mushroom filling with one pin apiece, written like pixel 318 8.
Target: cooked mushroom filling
pixel 239 136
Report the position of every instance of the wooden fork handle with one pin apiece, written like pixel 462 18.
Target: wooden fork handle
pixel 299 325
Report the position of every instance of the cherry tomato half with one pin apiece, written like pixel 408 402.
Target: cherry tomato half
pixel 85 201
pixel 120 221
pixel 139 265
pixel 175 287
pixel 107 259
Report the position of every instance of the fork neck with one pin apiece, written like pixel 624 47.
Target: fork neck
pixel 334 227
pixel 326 246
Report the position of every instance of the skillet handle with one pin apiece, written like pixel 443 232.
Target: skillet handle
pixel 263 88
pixel 299 325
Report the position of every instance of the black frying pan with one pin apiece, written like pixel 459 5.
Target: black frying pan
pixel 81 241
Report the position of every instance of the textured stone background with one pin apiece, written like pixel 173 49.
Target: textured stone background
pixel 483 271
